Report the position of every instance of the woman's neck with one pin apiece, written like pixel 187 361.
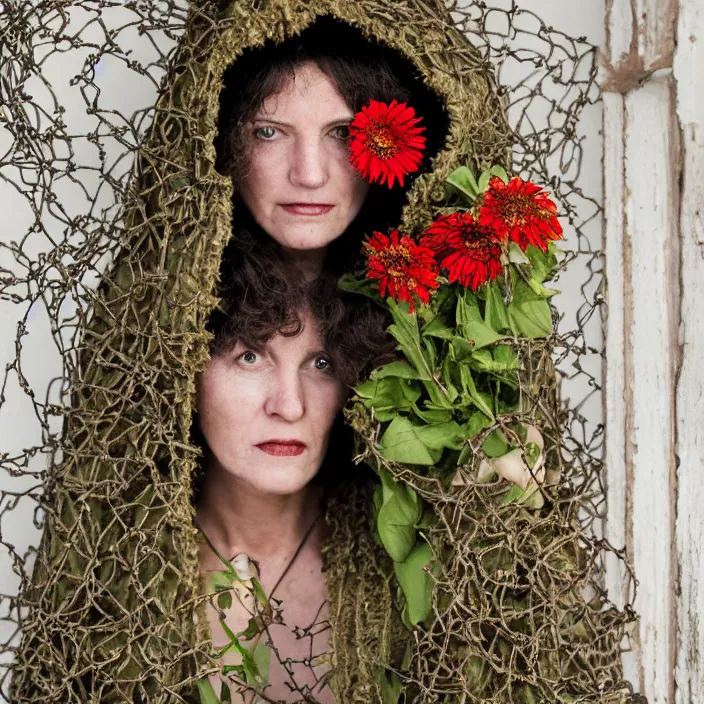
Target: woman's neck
pixel 308 261
pixel 267 527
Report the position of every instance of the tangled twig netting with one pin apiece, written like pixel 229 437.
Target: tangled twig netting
pixel 107 193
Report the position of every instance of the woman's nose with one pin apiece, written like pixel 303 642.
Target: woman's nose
pixel 285 398
pixel 309 167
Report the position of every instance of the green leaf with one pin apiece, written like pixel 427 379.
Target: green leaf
pixel 410 392
pixel 251 672
pixel 462 181
pixel 378 499
pixel 400 369
pixel 259 593
pixel 225 694
pixel 470 323
pixel 538 288
pixel 388 486
pixel 495 313
pixel 390 394
pixel 500 172
pixel 405 331
pixel 486 361
pixel 460 348
pixel 438 328
pixel 433 416
pixel 364 287
pixel 476 424
pixel 378 496
pixel 514 493
pixel 397 518
pixel 260 658
pixel 481 360
pixel 254 627
pixel 529 313
pixel 206 692
pixel 402 442
pixel 542 262
pixel 467 310
pixel 429 352
pixel 220 581
pixel 495 444
pixel 416 583
pixel 390 684
pixel 483 181
pixel 442 435
pixel 480 334
pixel 505 356
pixel 225 600
pixel 450 377
pixel 516 255
pixel 471 389
pixel 532 453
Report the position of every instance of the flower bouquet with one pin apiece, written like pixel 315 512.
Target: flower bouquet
pixel 464 430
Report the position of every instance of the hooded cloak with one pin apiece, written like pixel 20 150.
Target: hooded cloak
pixel 113 599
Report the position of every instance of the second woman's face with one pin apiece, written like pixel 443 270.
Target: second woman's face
pixel 299 185
pixel 267 413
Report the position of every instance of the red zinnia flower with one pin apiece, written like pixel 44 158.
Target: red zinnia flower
pixel 385 143
pixel 467 250
pixel 520 211
pixel 402 267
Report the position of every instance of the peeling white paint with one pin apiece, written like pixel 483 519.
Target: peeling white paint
pixel 651 151
pixel 689 74
pixel 656 488
pixel 614 371
pixel 656 35
pixel 620 22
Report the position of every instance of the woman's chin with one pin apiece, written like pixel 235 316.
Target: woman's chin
pixel 307 237
pixel 282 482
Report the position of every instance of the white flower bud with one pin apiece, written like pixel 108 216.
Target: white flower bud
pixel 244 568
pixel 512 465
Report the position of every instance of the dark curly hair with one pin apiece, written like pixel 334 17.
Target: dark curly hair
pixel 263 294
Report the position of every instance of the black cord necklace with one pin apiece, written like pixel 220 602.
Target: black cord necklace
pixel 291 561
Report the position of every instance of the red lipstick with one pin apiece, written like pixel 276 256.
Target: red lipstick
pixel 310 209
pixel 282 448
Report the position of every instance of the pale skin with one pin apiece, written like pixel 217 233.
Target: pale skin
pixel 302 190
pixel 263 504
pixel 299 156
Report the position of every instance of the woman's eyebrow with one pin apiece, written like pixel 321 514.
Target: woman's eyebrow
pixel 338 121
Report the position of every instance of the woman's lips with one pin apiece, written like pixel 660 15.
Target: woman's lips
pixel 310 209
pixel 282 448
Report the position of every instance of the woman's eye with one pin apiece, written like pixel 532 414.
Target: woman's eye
pixel 266 132
pixel 249 357
pixel 341 132
pixel 323 364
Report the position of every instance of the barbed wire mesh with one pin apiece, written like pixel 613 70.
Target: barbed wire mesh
pixel 99 587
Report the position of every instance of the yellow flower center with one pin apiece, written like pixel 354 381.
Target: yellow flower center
pixel 396 258
pixel 518 208
pixel 382 143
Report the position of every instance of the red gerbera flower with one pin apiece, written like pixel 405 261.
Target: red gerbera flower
pixel 401 267
pixel 520 211
pixel 385 143
pixel 467 250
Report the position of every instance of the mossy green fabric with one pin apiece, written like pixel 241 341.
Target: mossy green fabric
pixel 116 583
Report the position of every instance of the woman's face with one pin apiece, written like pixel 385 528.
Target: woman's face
pixel 299 185
pixel 267 413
